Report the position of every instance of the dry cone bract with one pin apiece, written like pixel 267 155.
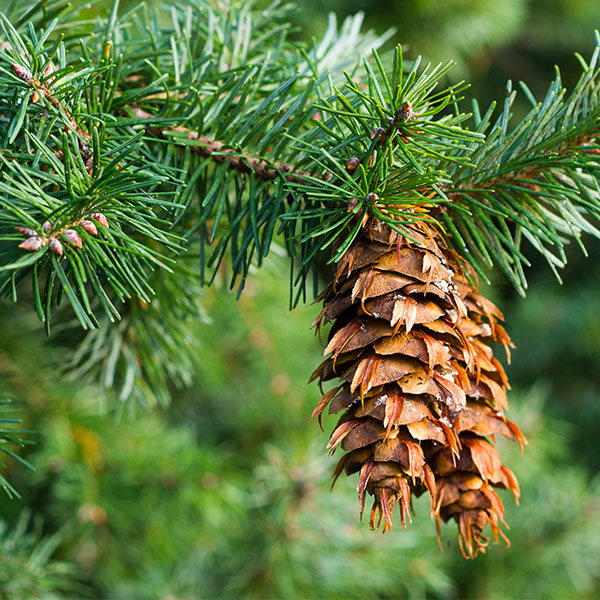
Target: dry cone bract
pixel 422 392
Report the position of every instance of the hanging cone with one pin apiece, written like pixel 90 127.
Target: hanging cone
pixel 421 390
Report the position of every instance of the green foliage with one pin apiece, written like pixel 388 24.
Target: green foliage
pixel 123 97
pixel 240 91
pixel 541 175
pixel 10 439
pixel 52 179
pixel 142 482
pixel 150 351
pixel 27 569
pixel 219 128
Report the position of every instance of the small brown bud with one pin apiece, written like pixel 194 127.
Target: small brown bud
pixel 371 197
pixel 531 186
pixel 22 73
pixel 46 226
pixel 378 133
pixel 35 97
pixel 32 244
pixel 352 204
pixel 73 237
pixel 352 164
pixel 50 68
pixel 89 227
pixel 49 78
pixel 56 247
pixel 404 113
pixel 101 219
pixel 26 231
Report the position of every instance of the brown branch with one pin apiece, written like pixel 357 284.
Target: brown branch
pixel 238 161
pixel 209 148
pixel 205 146
pixel 41 90
pixel 269 171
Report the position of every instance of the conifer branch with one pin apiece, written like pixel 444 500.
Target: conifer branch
pixel 43 91
pixel 220 153
pixel 537 182
pixel 29 568
pixel 234 145
pixel 150 169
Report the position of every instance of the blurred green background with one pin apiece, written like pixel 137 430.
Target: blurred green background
pixel 225 494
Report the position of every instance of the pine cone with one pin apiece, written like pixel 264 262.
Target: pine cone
pixel 420 386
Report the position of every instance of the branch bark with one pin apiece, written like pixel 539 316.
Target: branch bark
pixel 239 161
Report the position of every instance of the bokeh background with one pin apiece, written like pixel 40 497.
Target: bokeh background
pixel 225 494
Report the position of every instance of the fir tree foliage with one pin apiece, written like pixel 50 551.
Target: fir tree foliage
pixel 142 127
pixel 216 132
pixel 540 175
pixel 63 165
pixel 28 569
pixel 140 358
pixel 121 99
pixel 11 438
